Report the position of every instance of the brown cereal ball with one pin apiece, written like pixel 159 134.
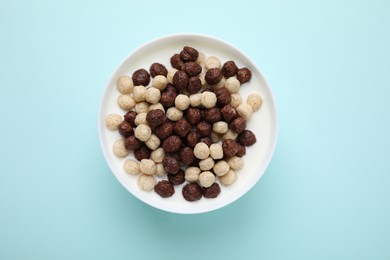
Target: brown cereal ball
pixel 204 128
pixel 180 80
pixel 238 125
pixel 164 130
pixel 193 115
pixel 171 164
pixel 223 97
pixel 171 144
pixel 125 129
pixel 213 76
pixel 192 139
pixel 207 140
pixel 155 117
pixel 142 153
pixel 211 192
pixel 244 75
pixel 192 68
pixel 141 77
pixel 241 150
pixel 130 117
pixel 192 192
pixel 158 69
pixel 229 148
pixel 194 85
pixel 186 155
pixel 132 143
pixel 212 115
pixel 246 138
pixel 176 61
pixel 181 127
pixel 229 69
pixel 189 54
pixel 164 189
pixel 176 179
pixel 168 97
pixel 229 113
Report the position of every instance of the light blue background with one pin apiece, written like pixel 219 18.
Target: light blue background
pixel 325 195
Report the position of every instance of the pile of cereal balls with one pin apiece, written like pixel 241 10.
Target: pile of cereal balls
pixel 187 126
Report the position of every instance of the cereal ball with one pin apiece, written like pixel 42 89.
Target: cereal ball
pixel 235 163
pixel 238 125
pixel 216 151
pixel 232 85
pixel 171 164
pixel 158 155
pixel 126 102
pixel 201 151
pixel 176 61
pixel 204 128
pixel 245 111
pixel 195 100
pixel 155 117
pixel 160 82
pixel 130 117
pixel 143 132
pixel 212 62
pixel 119 148
pixel 221 168
pixel 220 127
pixel 230 134
pixel 141 77
pixel 153 142
pixel 201 58
pixel 164 189
pixel 113 121
pixel 192 68
pixel 125 129
pixel 206 164
pixel 164 130
pixel 182 102
pixel 189 54
pixel 156 106
pixel 142 153
pixel 186 155
pixel 168 97
pixel 141 107
pixel 244 75
pixel 192 139
pixel 213 76
pixel 192 174
pixel 139 93
pixel 208 99
pixel 176 179
pixel 236 100
pixel 229 113
pixel 241 150
pixel 171 144
pixel 125 84
pixel 202 79
pixel 223 97
pixel 152 95
pixel 229 69
pixel 194 85
pixel 229 178
pixel 193 115
pixel 211 192
pixel 212 115
pixel 180 80
pixel 131 167
pixel 132 143
pixel 192 192
pixel 207 140
pixel 229 147
pixel 147 166
pixel 158 69
pixel 255 101
pixel 160 171
pixel 174 114
pixel 182 127
pixel 146 182
pixel 214 137
pixel 246 138
pixel 141 119
pixel 170 75
pixel 206 179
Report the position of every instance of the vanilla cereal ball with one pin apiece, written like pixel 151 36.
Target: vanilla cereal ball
pixel 221 168
pixel 113 121
pixel 182 102
pixel 229 178
pixel 125 84
pixel 170 75
pixel 236 100
pixel 245 111
pixel 208 99
pixel 146 182
pixel 160 171
pixel 156 106
pixel 214 137
pixel 206 179
pixel 119 148
pixel 142 132
pixel 220 127
pixel 139 93
pixel 158 155
pixel 216 151
pixel 142 107
pixel 235 162
pixel 160 82
pixel 152 95
pixel 174 114
pixel 140 119
pixel 147 166
pixel 195 100
pixel 202 78
pixel 206 164
pixel 201 58
pixel 153 142
pixel 232 85
pixel 255 101
pixel 131 167
pixel 220 84
pixel 191 174
pixel 201 151
pixel 229 135
pixel 126 102
pixel 212 62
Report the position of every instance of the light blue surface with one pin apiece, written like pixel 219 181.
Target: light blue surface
pixel 325 195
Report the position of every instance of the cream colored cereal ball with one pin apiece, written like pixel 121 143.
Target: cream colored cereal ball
pixel 125 84
pixel 131 167
pixel 174 114
pixel 113 121
pixel 142 107
pixel 119 148
pixel 170 75
pixel 220 127
pixel 126 102
pixel 235 162
pixel 195 100
pixel 142 132
pixel 160 171
pixel 229 178
pixel 147 166
pixel 202 78
pixel 206 164
pixel 139 93
pixel 255 101
pixel 201 58
pixel 153 142
pixel 236 100
pixel 212 62
pixel 214 137
pixel 140 119
pixel 158 155
pixel 229 135
pixel 208 99
pixel 182 102
pixel 160 82
pixel 221 168
pixel 206 179
pixel 245 111
pixel 146 182
pixel 152 95
pixel 201 151
pixel 232 85
pixel 191 174
pixel 220 84
pixel 216 151
pixel 156 106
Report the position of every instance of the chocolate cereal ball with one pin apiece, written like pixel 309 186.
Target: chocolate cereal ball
pixel 164 189
pixel 204 128
pixel 132 143
pixel 213 76
pixel 246 138
pixel 192 192
pixel 192 139
pixel 193 115
pixel 171 164
pixel 168 97
pixel 180 80
pixel 238 125
pixel 207 140
pixel 229 148
pixel 194 85
pixel 229 113
pixel 164 130
pixel 176 61
pixel 241 150
pixel 244 75
pixel 130 117
pixel 192 68
pixel 176 179
pixel 142 153
pixel 186 155
pixel 189 54
pixel 158 69
pixel 211 192
pixel 141 77
pixel 155 117
pixel 229 69
pixel 182 127
pixel 212 115
pixel 171 144
pixel 223 97
pixel 125 129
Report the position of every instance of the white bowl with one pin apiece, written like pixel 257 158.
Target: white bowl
pixel 263 122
